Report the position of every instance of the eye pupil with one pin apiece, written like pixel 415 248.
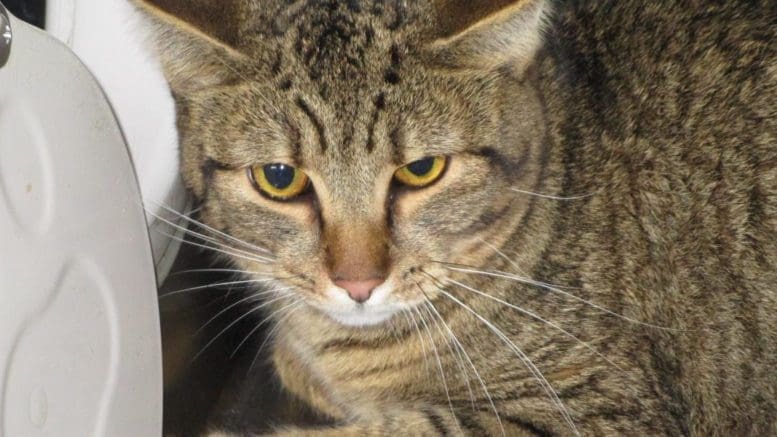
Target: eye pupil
pixel 421 167
pixel 279 176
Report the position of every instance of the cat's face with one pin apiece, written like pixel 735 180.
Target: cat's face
pixel 355 150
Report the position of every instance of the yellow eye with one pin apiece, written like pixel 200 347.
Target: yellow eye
pixel 422 172
pixel 278 181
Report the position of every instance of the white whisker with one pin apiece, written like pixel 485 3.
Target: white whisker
pixel 474 369
pixel 265 320
pixel 239 271
pixel 537 317
pixel 549 196
pixel 215 249
pixel 214 230
pixel 439 362
pixel 245 299
pixel 518 268
pixel 454 352
pixel 547 387
pixel 247 313
pixel 409 315
pixel 207 239
pixel 218 284
pixel 275 328
pixel 549 287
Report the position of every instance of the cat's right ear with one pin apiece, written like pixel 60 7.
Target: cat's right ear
pixel 195 40
pixel 487 34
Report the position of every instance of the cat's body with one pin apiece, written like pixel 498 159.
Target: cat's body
pixel 646 297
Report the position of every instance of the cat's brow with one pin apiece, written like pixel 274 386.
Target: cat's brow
pixel 284 146
pixel 320 132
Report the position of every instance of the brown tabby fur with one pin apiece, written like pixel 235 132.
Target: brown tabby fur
pixel 658 119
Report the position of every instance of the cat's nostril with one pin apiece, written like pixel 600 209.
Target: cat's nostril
pixel 359 291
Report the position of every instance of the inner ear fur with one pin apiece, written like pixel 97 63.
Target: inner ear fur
pixel 488 34
pixel 197 41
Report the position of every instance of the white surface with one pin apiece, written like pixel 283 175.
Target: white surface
pixel 80 350
pixel 108 36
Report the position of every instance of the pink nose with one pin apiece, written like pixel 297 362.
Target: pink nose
pixel 359 290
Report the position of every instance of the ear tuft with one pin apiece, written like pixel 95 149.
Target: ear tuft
pixel 488 34
pixel 195 40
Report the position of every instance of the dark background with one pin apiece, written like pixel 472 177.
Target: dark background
pixel 31 11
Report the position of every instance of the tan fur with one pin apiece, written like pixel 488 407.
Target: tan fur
pixel 644 288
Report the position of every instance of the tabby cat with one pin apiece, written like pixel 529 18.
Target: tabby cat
pixel 494 217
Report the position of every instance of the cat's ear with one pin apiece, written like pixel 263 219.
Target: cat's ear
pixel 488 34
pixel 196 41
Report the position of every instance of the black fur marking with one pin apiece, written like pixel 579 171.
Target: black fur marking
pixel 471 424
pixel 295 139
pixel 391 77
pixel 380 104
pixel 316 123
pixel 396 56
pixel 277 63
pixel 397 147
pixel 364 343
pixel 208 168
pixel 499 160
pixel 399 18
pixel 436 421
pixel 285 84
pixel 527 426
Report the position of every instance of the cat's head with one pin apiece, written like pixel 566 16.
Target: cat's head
pixel 361 143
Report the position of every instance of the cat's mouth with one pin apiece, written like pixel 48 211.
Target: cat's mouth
pixel 376 310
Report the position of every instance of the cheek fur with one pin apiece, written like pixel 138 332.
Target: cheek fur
pixel 287 229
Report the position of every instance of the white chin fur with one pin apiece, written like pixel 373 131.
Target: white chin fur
pixel 361 317
pixel 373 311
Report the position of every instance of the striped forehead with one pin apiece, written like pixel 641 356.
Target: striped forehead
pixel 334 36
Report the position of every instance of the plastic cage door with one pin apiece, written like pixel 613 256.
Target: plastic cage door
pixel 80 350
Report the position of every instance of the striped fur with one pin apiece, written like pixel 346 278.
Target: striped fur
pixel 643 279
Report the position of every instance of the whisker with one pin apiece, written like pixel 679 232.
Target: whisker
pixel 459 359
pixel 519 269
pixel 212 229
pixel 219 284
pixel 504 275
pixel 258 325
pixel 454 352
pixel 201 236
pixel 537 317
pixel 474 369
pixel 239 271
pixel 549 196
pixel 215 249
pixel 274 329
pixel 247 313
pixel 439 362
pixel 547 387
pixel 236 251
pixel 409 315
pixel 247 298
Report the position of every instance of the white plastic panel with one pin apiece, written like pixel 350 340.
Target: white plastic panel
pixel 110 38
pixel 80 350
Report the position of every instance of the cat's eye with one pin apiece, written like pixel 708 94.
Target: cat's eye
pixel 278 181
pixel 421 173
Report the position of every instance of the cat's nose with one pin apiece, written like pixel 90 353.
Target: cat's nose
pixel 361 290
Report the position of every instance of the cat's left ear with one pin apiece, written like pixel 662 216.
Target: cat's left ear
pixel 488 34
pixel 196 41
